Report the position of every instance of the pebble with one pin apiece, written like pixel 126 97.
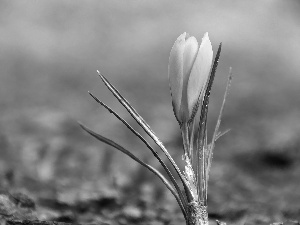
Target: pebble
pixel 132 212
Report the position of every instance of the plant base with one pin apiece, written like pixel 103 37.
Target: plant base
pixel 197 214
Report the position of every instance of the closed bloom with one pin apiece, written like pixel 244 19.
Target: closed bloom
pixel 189 68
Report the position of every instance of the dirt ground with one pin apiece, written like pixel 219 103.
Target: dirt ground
pixel 52 171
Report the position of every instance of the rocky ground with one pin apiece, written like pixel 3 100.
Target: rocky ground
pixel 52 171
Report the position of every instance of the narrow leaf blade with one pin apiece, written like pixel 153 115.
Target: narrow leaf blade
pixel 146 128
pixel 128 153
pixel 174 182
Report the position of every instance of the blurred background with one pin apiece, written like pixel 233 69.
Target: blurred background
pixel 49 54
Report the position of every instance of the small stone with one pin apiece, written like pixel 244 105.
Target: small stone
pixel 132 212
pixel 23 200
pixel 7 207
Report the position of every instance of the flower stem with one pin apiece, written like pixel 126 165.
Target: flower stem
pixel 197 214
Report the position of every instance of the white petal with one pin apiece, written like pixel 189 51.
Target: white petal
pixel 189 56
pixel 175 72
pixel 200 72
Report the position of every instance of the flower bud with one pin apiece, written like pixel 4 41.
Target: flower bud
pixel 189 67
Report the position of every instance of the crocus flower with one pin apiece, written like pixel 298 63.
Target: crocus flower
pixel 190 83
pixel 189 67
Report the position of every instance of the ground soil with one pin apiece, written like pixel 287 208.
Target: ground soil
pixel 52 171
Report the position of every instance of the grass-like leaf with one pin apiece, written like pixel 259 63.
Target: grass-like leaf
pixel 209 86
pixel 147 129
pixel 204 155
pixel 128 153
pixel 146 143
pixel 217 134
pixel 220 134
